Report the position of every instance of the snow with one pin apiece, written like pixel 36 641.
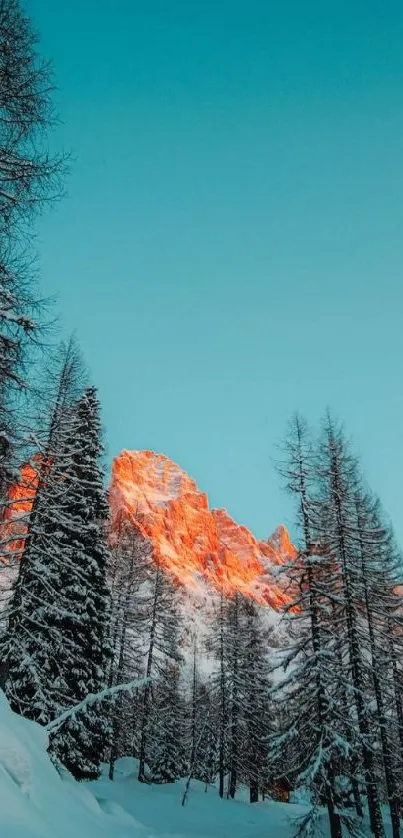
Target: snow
pixel 36 801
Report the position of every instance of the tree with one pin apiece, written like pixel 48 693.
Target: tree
pixel 310 689
pixel 80 745
pixel 220 686
pixel 64 384
pixel 167 756
pixel 158 629
pixel 30 178
pixel 58 649
pixel 374 557
pixel 257 721
pixel 29 175
pixel 340 481
pixel 130 558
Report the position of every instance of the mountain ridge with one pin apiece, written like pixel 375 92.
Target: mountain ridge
pixel 195 544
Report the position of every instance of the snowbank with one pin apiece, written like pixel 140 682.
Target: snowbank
pixel 37 802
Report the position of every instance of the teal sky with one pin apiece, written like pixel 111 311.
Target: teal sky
pixel 231 246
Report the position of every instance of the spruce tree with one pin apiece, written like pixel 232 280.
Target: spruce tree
pixel 80 743
pixel 58 649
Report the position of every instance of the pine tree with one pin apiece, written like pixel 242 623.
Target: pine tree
pixel 36 647
pixel 58 648
pixel 80 743
pixel 63 386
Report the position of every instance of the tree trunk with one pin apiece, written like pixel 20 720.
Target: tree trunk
pixel 356 670
pixel 147 689
pixel 254 790
pixel 221 755
pixel 380 708
pixel 233 775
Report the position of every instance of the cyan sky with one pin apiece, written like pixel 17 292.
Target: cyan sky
pixel 231 247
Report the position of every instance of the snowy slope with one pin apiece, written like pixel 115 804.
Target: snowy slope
pixel 36 802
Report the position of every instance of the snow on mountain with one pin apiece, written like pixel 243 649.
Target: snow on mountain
pixel 200 547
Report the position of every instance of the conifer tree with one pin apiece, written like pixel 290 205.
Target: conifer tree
pixel 239 694
pixel 130 561
pixel 167 756
pixel 29 179
pixel 256 710
pixel 58 648
pixel 310 688
pixel 63 386
pixel 206 765
pixel 234 653
pixel 157 630
pixel 80 743
pixel 220 685
pixel 375 559
pixel 340 481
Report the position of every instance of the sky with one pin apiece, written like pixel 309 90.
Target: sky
pixel 230 248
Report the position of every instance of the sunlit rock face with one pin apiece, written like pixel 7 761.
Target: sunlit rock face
pixel 196 545
pixel 13 526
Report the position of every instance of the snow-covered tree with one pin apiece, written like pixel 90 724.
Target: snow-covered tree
pixel 311 741
pixel 80 744
pixel 58 648
pixel 257 722
pixel 167 755
pixel 340 480
pixel 157 630
pixel 128 571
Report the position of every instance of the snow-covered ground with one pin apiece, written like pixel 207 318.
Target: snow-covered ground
pixel 36 802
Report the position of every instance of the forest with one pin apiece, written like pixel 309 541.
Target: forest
pixel 96 641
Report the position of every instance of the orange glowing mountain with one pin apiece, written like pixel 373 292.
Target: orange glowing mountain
pixel 15 516
pixel 195 544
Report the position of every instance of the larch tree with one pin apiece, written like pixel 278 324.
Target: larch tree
pixel 375 563
pixel 167 753
pixel 30 178
pixel 129 567
pixel 157 629
pixel 312 737
pixel 340 480
pixel 256 709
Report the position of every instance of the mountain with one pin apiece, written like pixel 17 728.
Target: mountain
pixel 198 546
pixel 202 548
pixel 21 495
